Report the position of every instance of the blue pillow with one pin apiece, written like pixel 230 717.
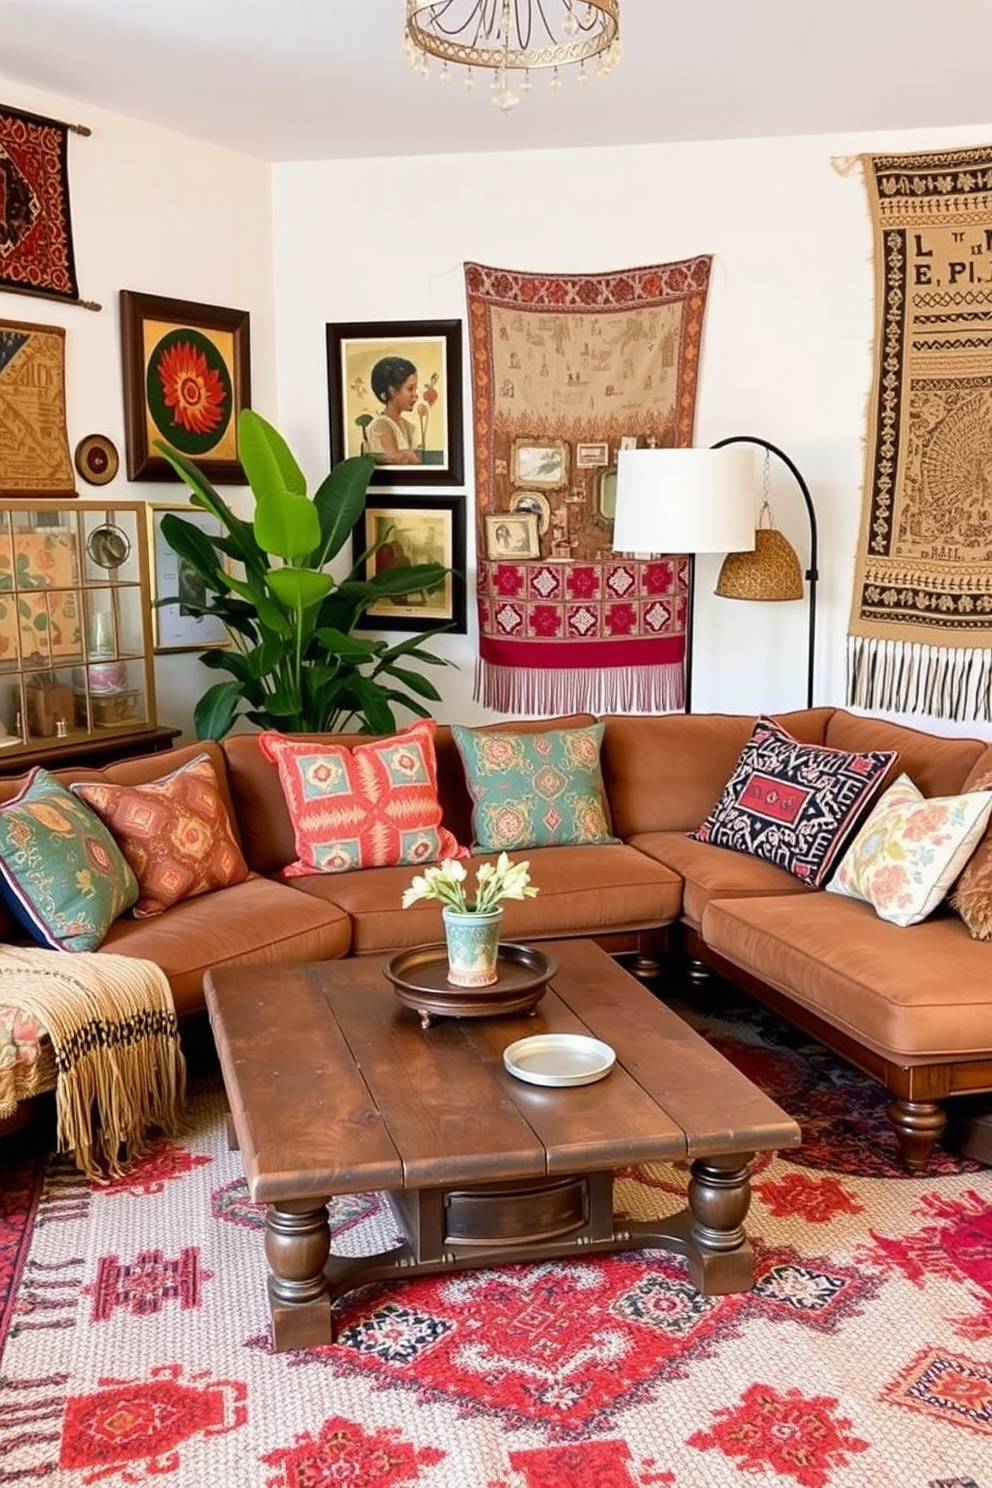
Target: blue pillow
pixel 62 875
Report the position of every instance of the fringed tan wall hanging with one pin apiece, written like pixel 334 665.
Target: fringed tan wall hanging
pixel 921 621
pixel 565 367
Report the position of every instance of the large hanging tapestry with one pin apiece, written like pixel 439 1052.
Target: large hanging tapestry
pixel 34 446
pixel 566 369
pixel 921 621
pixel 36 254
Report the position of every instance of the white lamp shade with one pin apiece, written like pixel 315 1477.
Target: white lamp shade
pixel 684 501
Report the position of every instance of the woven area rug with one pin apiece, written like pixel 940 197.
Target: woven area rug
pixel 137 1351
pixel 921 619
pixel 565 367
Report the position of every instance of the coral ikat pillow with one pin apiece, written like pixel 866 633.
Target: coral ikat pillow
pixel 175 833
pixel 372 806
pixel 794 804
pixel 910 850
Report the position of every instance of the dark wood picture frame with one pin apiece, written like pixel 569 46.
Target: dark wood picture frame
pixel 416 519
pixel 434 348
pixel 217 345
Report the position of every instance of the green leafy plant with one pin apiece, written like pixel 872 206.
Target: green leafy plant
pixel 295 663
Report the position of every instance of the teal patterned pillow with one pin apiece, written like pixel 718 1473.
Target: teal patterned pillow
pixel 535 790
pixel 61 873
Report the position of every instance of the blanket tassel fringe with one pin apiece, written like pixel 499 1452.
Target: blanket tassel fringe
pixel 903 677
pixel 650 689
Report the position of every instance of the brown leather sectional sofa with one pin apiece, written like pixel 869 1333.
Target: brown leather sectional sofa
pixel 912 1007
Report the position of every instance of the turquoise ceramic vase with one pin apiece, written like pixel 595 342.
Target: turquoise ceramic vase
pixel 473 946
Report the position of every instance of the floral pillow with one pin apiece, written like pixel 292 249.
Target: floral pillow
pixel 972 897
pixel 910 850
pixel 794 804
pixel 174 832
pixel 535 790
pixel 371 806
pixel 62 874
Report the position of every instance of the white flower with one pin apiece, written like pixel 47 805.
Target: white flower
pixel 494 882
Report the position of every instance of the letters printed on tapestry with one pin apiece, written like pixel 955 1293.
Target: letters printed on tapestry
pixel 564 369
pixel 921 620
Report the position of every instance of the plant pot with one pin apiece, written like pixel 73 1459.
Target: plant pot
pixel 473 946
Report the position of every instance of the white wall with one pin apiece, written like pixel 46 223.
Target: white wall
pixel 163 214
pixel 786 343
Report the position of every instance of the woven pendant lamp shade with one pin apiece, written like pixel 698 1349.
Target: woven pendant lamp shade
pixel 771 571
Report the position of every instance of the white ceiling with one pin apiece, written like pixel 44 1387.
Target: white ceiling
pixel 316 79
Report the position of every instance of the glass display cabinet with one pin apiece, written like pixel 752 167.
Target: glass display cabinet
pixel 76 659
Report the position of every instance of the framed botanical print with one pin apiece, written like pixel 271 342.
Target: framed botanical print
pixel 178 625
pixel 187 376
pixel 411 530
pixel 395 393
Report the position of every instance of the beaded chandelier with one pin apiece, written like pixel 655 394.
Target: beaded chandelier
pixel 512 38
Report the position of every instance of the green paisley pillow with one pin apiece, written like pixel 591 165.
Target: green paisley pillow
pixel 62 875
pixel 535 790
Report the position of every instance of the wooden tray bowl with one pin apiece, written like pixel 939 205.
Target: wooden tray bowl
pixel 420 980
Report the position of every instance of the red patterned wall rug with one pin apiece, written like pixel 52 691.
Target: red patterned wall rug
pixel 136 1345
pixel 36 255
pixel 565 368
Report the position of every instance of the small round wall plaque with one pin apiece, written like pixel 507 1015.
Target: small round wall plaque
pixel 96 459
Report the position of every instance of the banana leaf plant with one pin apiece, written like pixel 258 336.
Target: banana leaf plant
pixel 295 663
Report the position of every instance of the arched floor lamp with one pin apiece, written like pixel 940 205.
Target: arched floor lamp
pixel 771 571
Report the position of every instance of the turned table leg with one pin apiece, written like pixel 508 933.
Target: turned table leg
pixel 917 1124
pixel 720 1257
pixel 297 1245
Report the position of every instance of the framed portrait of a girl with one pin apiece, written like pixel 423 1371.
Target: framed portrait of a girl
pixel 395 392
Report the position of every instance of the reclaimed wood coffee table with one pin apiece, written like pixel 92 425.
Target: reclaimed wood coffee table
pixel 335 1088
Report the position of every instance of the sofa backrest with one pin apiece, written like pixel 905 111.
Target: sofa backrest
pixel 665 773
pixel 266 829
pixel 937 766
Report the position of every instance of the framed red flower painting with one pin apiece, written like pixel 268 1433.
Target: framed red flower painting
pixel 187 376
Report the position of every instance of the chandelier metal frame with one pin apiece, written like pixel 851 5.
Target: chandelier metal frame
pixel 512 36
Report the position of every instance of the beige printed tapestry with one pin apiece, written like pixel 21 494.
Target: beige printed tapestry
pixel 921 621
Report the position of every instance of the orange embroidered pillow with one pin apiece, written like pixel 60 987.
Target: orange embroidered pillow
pixel 372 806
pixel 175 833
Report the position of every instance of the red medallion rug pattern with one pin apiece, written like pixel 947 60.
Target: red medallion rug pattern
pixel 36 254
pixel 135 1345
pixel 566 367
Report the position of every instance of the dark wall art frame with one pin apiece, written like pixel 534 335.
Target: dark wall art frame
pixel 433 424
pixel 423 529
pixel 187 376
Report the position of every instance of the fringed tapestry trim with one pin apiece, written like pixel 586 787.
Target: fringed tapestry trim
pixel 647 689
pixel 119 1068
pixel 921 615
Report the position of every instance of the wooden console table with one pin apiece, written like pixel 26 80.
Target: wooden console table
pixel 88 750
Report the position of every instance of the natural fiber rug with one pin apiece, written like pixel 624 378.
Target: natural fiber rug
pixel 137 1344
pixel 564 368
pixel 921 619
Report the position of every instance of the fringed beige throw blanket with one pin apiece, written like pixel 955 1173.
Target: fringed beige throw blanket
pixel 119 1067
pixel 921 621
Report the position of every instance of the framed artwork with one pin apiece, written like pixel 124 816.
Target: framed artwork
pixel 588 456
pixel 187 376
pixel 536 502
pixel 512 535
pixel 415 529
pixel 174 626
pixel 539 464
pixel 395 392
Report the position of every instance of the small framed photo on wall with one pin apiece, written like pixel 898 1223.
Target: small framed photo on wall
pixel 395 393
pixel 513 535
pixel 187 376
pixel 407 530
pixel 178 592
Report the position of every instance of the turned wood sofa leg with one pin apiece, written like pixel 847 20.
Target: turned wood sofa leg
pixel 697 973
pixel 917 1124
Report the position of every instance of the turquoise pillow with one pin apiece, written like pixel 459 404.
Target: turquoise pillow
pixel 62 875
pixel 535 790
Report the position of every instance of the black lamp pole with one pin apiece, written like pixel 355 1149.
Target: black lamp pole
pixel 811 572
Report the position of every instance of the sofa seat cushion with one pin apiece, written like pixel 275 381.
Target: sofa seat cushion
pixel 709 872
pixel 916 995
pixel 583 891
pixel 257 922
